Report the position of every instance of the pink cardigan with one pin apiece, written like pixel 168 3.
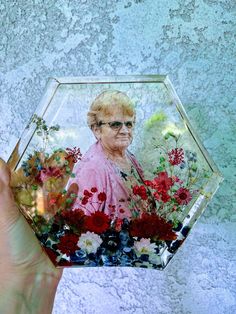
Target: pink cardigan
pixel 96 170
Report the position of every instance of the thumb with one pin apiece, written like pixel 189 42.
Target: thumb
pixel 8 209
pixel 4 174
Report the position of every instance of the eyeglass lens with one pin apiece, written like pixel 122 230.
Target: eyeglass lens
pixel 117 124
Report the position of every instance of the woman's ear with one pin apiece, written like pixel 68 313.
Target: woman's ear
pixel 96 131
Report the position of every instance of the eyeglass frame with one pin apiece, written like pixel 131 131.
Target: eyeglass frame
pixel 121 124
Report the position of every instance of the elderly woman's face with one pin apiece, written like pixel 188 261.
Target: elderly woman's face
pixel 116 130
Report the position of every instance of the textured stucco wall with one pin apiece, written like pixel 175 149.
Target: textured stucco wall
pixel 194 42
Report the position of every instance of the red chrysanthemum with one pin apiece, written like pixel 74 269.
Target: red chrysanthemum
pixel 157 196
pixel 136 190
pixel 152 225
pixel 141 191
pixel 68 244
pixel 98 222
pixel 75 219
pixel 73 153
pixel 149 183
pixel 165 197
pixel 162 183
pixel 183 196
pixel 102 196
pixel 94 189
pixel 176 156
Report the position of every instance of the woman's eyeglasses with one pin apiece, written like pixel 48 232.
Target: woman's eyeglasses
pixel 117 125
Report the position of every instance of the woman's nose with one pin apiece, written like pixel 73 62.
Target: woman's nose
pixel 124 129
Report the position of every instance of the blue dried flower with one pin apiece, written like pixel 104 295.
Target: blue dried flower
pixel 191 156
pixel 79 257
pixel 111 240
pixel 127 249
pixel 39 167
pixel 110 260
pixel 182 165
pixel 90 263
pixel 125 260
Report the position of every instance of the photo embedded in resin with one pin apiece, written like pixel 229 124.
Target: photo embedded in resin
pixel 109 172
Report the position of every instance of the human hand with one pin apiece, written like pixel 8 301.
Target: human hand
pixel 28 279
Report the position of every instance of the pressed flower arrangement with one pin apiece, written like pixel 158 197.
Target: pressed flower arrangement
pixel 175 185
pixel 71 237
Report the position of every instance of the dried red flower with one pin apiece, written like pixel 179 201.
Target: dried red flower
pixel 102 196
pixel 136 190
pixel 50 172
pixel 183 196
pixel 165 197
pixel 68 244
pixel 141 191
pixel 54 199
pixel 97 222
pixel 94 189
pixel 176 156
pixel 157 196
pixel 149 183
pixel 162 183
pixel 150 226
pixel 75 219
pixel 73 153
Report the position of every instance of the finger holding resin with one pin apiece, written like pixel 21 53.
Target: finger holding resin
pixel 18 244
pixel 28 279
pixel 9 213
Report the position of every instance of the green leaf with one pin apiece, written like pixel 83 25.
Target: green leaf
pixel 159 169
pixel 69 200
pixel 162 159
pixel 194 167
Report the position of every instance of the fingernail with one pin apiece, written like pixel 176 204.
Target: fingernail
pixel 4 171
pixel 2 162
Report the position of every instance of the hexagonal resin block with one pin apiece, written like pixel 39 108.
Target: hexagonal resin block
pixel 89 200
